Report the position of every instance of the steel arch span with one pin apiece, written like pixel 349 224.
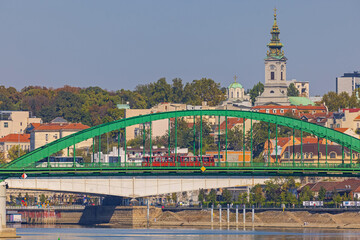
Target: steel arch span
pixel 70 140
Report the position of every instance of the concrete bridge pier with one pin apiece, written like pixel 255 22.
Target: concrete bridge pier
pixel 4 232
pixel 2 205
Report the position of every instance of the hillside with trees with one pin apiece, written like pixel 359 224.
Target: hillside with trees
pixel 94 105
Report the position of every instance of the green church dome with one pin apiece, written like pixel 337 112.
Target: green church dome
pixel 235 85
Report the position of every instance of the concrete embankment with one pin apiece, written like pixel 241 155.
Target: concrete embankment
pixel 8 233
pixel 137 217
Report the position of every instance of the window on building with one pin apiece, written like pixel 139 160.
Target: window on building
pixel 55 136
pixel 267 110
pixel 271 91
pixel 332 155
pixel 272 76
pixel 282 110
pixel 274 110
pixel 232 95
pixel 46 137
pixel 20 123
pixel 237 94
pixel 282 76
pixel 6 125
pixel 287 155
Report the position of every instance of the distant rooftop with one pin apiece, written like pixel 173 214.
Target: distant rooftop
pixel 354 74
pixel 123 106
pixel 297 101
pixel 59 120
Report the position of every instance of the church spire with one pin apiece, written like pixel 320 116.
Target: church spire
pixel 275 45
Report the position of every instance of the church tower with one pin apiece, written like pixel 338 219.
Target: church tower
pixel 275 88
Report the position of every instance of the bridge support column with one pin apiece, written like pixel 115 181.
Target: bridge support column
pixel 2 205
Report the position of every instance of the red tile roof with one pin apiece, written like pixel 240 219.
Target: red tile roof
pixel 283 140
pixel 58 127
pixel 357 118
pixel 291 107
pixel 35 125
pixel 351 109
pixel 23 138
pixel 231 123
pixel 341 129
pixel 349 184
pixel 329 186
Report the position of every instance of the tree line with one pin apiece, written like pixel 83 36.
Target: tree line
pixel 94 105
pixel 275 192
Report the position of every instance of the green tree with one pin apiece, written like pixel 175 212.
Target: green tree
pixel 292 91
pixel 235 139
pixel 201 196
pixel 243 198
pixel 43 198
pixel 257 196
pixel 306 194
pixel 174 197
pixel 322 193
pixel 2 158
pixel 291 198
pixel 336 198
pixel 335 101
pixel 272 191
pixel 211 197
pixel 177 91
pixel 226 196
pixel 256 91
pixel 203 90
pixel 15 151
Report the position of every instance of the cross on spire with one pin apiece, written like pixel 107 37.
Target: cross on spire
pixel 235 77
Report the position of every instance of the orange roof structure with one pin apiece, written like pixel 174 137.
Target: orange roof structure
pixel 342 130
pixel 357 118
pixel 231 122
pixel 16 138
pixel 58 127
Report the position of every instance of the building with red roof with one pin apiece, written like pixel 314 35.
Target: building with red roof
pixel 14 140
pixel 295 110
pixel 58 128
pixel 349 186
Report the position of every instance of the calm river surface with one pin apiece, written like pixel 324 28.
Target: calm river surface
pixel 41 232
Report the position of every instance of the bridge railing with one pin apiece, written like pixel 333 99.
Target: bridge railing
pixel 216 165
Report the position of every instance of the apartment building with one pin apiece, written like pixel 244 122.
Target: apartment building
pixel 15 122
pixel 45 133
pixel 11 140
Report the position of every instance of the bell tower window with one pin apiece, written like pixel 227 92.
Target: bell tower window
pixel 272 77
pixel 282 76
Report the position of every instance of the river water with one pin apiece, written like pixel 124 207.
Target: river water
pixel 51 232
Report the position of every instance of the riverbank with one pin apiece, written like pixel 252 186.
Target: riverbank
pixel 136 217
pixel 268 219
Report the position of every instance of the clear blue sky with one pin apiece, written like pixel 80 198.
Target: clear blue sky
pixel 123 43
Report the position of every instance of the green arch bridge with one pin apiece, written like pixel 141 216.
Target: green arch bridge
pixel 28 162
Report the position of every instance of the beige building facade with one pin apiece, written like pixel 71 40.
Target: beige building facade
pixel 302 87
pixel 13 140
pixel 15 122
pixel 49 132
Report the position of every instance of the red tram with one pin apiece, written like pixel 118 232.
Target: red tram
pixel 183 161
pixel 159 161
